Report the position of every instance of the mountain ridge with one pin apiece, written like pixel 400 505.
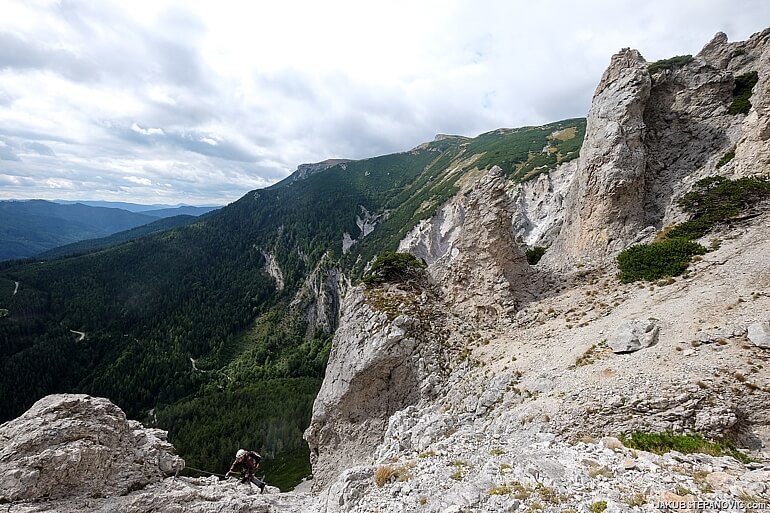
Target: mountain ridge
pixel 506 385
pixel 32 226
pixel 208 292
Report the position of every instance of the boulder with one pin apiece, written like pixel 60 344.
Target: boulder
pixel 759 334
pixel 80 446
pixel 634 335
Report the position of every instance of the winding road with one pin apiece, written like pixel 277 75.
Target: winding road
pixel 16 289
pixel 82 335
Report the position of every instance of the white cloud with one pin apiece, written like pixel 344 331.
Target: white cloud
pixel 138 181
pixel 211 99
pixel 147 131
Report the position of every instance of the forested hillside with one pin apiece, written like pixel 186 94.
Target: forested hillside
pixel 30 227
pixel 185 328
pixel 85 246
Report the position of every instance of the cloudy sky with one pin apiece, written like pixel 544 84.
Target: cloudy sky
pixel 201 101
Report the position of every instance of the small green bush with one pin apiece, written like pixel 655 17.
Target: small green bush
pixel 674 62
pixel 742 92
pixel 716 200
pixel 660 443
pixel 394 267
pixel 534 254
pixel 669 257
pixel 727 157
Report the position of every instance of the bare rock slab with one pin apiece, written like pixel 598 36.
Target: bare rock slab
pixel 634 335
pixel 759 334
pixel 80 446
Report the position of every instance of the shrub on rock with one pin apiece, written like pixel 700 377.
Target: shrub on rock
pixel 394 268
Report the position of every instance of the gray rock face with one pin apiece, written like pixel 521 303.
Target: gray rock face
pixel 539 205
pixel 273 269
pixel 752 151
pixel 305 170
pixel 77 445
pixel 649 138
pixel 759 334
pixel 377 366
pixel 472 251
pixel 633 336
pixel 485 273
pixel 433 238
pixel 602 206
pixel 319 296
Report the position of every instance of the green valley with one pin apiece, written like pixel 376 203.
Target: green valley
pixel 185 328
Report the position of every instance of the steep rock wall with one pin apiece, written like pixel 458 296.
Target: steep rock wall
pixel 603 207
pixel 379 364
pixel 485 275
pixel 538 205
pixel 649 138
pixel 432 238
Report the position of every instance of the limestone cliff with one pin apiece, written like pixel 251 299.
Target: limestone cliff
pixel 318 299
pixel 538 210
pixel 752 145
pixel 650 137
pixel 602 208
pixel 379 364
pixel 484 274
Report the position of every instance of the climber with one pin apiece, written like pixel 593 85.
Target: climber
pixel 246 463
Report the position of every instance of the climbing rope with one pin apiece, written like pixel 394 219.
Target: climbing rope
pixel 205 471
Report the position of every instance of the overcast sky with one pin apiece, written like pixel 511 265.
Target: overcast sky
pixel 201 101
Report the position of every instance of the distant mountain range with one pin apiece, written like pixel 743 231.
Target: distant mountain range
pixel 156 209
pixel 30 227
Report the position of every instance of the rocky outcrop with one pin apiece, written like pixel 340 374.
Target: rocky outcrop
pixel 433 238
pixel 79 454
pixel 472 252
pixel 318 299
pixel 379 364
pixel 366 223
pixel 485 273
pixel 273 270
pixel 387 353
pixel 604 208
pixel 76 445
pixel 650 137
pixel 752 150
pixel 305 170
